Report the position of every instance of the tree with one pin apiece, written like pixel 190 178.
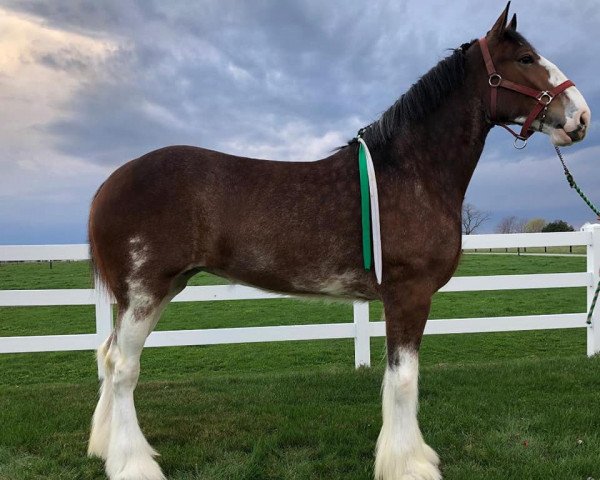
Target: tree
pixel 558 226
pixel 510 224
pixel 535 225
pixel 472 218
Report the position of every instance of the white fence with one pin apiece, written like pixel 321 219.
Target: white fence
pixel 361 329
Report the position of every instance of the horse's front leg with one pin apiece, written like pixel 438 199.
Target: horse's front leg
pixel 401 452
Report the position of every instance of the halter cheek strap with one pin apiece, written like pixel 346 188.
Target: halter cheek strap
pixel 543 97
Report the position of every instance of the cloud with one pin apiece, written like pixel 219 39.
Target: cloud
pixel 41 70
pixel 37 79
pixel 88 85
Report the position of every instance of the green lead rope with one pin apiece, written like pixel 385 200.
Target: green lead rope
pixel 574 185
pixel 593 305
pixel 365 207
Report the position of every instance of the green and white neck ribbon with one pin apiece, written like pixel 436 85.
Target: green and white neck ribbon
pixel 369 201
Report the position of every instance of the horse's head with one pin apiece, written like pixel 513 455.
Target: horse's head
pixel 522 87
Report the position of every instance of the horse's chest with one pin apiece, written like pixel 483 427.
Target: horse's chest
pixel 426 248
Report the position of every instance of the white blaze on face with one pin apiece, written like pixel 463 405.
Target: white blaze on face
pixel 576 109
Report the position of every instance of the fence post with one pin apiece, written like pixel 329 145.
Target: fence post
pixel 104 317
pixel 362 337
pixel 593 267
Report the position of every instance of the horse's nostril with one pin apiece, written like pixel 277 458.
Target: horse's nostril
pixel 574 135
pixel 584 118
pixel 577 134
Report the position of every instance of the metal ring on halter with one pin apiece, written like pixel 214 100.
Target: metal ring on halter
pixel 520 146
pixel 545 95
pixel 492 77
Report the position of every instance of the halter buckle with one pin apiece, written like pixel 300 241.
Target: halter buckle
pixel 520 146
pixel 545 95
pixel 494 80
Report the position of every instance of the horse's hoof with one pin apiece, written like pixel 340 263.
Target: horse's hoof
pixel 421 464
pixel 134 467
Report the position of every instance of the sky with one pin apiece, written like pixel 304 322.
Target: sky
pixel 87 85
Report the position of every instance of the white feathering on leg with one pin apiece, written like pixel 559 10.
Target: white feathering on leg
pixel 130 456
pixel 100 434
pixel 401 453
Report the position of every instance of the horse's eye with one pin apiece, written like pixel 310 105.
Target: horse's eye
pixel 526 59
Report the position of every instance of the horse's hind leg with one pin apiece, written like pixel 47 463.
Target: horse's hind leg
pixel 128 455
pixel 116 435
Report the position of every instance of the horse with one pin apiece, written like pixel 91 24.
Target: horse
pixel 295 227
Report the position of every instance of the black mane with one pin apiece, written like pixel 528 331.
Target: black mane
pixel 422 98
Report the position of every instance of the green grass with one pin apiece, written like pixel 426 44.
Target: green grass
pixel 522 405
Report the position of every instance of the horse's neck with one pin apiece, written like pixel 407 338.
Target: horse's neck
pixel 442 151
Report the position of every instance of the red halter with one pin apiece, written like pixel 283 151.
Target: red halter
pixel 543 97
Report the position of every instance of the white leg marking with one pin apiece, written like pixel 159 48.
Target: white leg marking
pixel 401 452
pixel 100 434
pixel 129 453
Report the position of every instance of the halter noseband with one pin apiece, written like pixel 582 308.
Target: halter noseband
pixel 543 97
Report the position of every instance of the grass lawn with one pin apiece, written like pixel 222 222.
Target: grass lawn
pixel 523 405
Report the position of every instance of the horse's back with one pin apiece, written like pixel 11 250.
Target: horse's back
pixel 179 184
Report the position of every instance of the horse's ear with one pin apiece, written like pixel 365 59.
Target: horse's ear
pixel 500 24
pixel 513 23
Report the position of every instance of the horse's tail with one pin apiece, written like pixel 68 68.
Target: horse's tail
pixel 96 265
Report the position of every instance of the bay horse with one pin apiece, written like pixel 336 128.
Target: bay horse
pixel 295 227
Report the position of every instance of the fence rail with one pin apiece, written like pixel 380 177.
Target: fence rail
pixel 361 330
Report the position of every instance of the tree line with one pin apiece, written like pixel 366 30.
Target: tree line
pixel 473 219
pixel 513 224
